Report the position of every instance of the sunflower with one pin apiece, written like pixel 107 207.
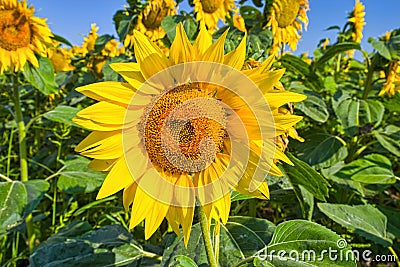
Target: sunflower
pixel 211 11
pixel 150 18
pixel 21 35
pixel 60 57
pixel 90 41
pixel 286 19
pixel 186 128
pixel 392 84
pixel 357 21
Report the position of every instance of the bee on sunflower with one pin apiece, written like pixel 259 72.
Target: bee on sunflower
pixel 21 35
pixel 186 130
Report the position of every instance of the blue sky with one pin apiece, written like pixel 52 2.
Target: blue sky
pixel 72 19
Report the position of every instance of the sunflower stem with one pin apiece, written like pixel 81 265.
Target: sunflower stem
pixel 369 81
pixel 22 155
pixel 207 237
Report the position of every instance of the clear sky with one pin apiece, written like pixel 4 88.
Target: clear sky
pixel 72 19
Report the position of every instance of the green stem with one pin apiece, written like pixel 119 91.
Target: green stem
pixel 368 82
pixel 22 155
pixel 207 238
pixel 395 255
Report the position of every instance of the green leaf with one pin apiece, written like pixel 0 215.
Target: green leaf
pixel 35 191
pixel 111 245
pixel 295 64
pixel 182 261
pixel 109 73
pixel 77 178
pixel 389 139
pixel 313 106
pixel 365 220
pixel 302 174
pixel 42 78
pixel 101 42
pixel 296 242
pixel 321 150
pixel 169 25
pixel 123 27
pixel 381 48
pixel 235 196
pixel 240 238
pixel 13 199
pixel 62 114
pixel 370 169
pixel 61 39
pixel 334 50
pixel 354 114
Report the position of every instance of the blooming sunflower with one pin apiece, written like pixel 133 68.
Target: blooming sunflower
pixel 392 84
pixel 186 128
pixel 238 21
pixel 60 57
pixel 286 19
pixel 90 41
pixel 21 35
pixel 211 11
pixel 357 21
pixel 150 18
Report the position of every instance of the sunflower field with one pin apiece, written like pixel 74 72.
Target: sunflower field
pixel 198 137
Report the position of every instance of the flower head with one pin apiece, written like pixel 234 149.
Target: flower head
pixel 392 84
pixel 21 35
pixel 286 19
pixel 357 21
pixel 60 57
pixel 186 129
pixel 211 11
pixel 150 18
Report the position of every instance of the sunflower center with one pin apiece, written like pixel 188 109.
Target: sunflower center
pixel 183 130
pixel 210 6
pixel 154 13
pixel 287 11
pixel 15 31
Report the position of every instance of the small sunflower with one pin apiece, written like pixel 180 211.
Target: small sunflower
pixel 150 18
pixel 152 133
pixel 90 41
pixel 60 57
pixel 286 19
pixel 211 11
pixel 357 21
pixel 392 84
pixel 21 35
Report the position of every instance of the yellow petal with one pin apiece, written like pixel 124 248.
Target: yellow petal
pixel 203 40
pixel 112 92
pixel 181 49
pixel 103 165
pixel 129 195
pixel 278 99
pixel 130 72
pixel 104 113
pixel 118 178
pixel 236 58
pixel 215 53
pixel 102 145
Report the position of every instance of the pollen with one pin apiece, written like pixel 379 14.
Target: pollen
pixel 184 128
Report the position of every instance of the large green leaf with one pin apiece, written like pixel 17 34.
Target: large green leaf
pixel 304 243
pixel 111 245
pixel 313 106
pixel 370 169
pixel 35 190
pixel 62 114
pixel 389 138
pixel 42 78
pixel 322 150
pixel 13 199
pixel 365 220
pixel 354 114
pixel 77 178
pixel 302 174
pixel 240 238
pixel 380 47
pixel 336 49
